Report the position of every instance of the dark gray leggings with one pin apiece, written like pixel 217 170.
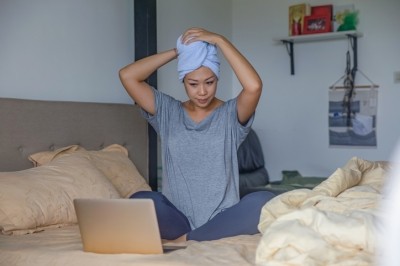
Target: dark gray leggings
pixel 240 219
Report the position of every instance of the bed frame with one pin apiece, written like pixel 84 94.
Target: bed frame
pixel 29 126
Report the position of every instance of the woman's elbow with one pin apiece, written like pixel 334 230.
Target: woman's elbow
pixel 123 74
pixel 256 86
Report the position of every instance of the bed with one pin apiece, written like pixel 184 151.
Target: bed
pixel 52 152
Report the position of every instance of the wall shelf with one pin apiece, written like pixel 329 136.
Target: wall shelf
pixel 291 40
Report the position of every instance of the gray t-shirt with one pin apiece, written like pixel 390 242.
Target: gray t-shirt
pixel 199 160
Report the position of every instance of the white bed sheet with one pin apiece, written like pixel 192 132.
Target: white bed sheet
pixel 62 246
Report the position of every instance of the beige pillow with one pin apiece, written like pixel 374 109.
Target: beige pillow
pixel 112 161
pixel 40 197
pixel 44 157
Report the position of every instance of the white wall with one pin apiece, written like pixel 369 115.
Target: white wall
pixel 72 50
pixel 65 50
pixel 292 114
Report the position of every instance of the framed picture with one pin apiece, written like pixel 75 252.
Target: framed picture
pixel 317 24
pixel 296 18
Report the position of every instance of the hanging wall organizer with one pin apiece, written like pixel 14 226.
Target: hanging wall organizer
pixel 353 109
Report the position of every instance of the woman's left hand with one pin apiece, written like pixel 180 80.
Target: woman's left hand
pixel 199 34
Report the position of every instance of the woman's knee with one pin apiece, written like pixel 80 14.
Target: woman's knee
pixel 158 198
pixel 147 195
pixel 258 198
pixel 172 222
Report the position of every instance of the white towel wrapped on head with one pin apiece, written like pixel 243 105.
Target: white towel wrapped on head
pixel 194 55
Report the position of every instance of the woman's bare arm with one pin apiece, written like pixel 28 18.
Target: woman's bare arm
pixel 134 76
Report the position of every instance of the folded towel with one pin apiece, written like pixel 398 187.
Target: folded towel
pixel 194 55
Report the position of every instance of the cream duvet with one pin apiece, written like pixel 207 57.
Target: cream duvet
pixel 336 223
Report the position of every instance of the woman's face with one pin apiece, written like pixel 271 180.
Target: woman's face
pixel 201 86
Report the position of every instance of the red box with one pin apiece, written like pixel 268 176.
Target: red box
pixel 317 24
pixel 325 10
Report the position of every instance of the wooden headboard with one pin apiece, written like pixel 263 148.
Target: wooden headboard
pixel 29 126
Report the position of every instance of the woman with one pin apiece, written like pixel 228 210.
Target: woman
pixel 199 139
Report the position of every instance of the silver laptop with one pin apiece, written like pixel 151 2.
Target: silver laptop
pixel 119 226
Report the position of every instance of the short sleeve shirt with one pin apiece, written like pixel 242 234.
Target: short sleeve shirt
pixel 199 160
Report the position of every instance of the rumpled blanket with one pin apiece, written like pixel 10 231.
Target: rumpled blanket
pixel 194 55
pixel 336 223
